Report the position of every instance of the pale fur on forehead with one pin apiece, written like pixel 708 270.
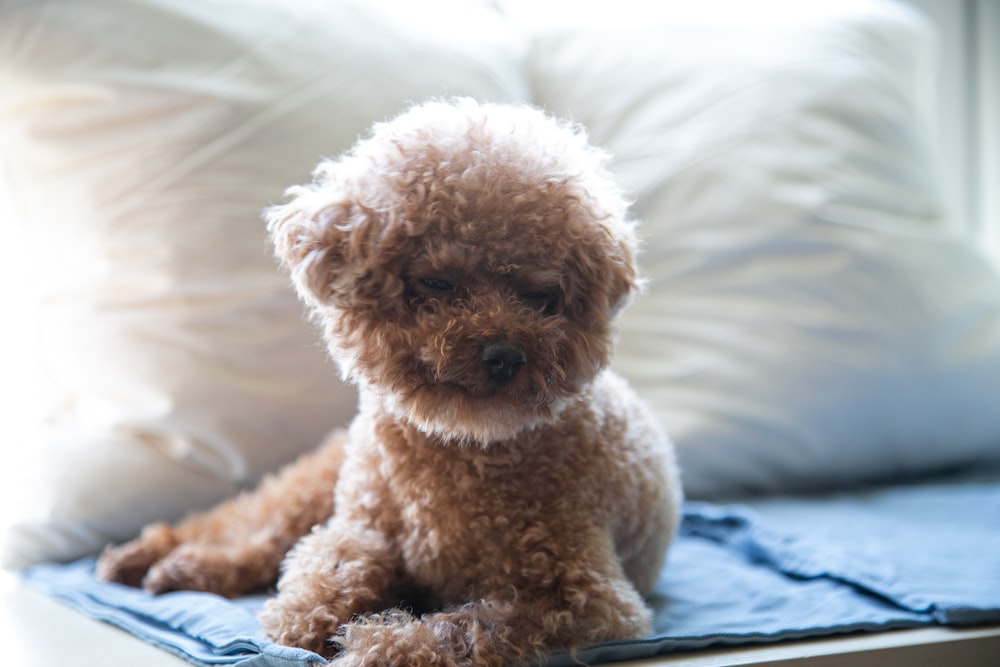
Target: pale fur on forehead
pixel 512 131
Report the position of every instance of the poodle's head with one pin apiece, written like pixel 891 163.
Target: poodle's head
pixel 465 262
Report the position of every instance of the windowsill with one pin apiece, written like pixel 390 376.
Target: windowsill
pixel 921 647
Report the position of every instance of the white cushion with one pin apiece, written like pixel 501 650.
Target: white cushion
pixel 146 136
pixel 812 317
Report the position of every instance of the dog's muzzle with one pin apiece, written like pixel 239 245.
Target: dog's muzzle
pixel 502 361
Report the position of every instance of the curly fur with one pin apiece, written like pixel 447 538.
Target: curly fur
pixel 500 493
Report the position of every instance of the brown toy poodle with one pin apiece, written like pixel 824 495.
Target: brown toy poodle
pixel 500 493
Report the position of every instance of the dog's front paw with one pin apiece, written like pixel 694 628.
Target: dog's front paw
pixel 128 563
pixel 295 622
pixel 199 567
pixel 395 638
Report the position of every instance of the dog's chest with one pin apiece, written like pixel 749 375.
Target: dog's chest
pixel 465 516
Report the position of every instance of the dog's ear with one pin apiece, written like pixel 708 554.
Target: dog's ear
pixel 623 280
pixel 605 269
pixel 313 235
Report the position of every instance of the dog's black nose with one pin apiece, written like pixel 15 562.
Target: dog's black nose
pixel 502 361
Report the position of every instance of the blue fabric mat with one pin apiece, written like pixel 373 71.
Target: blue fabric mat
pixel 785 568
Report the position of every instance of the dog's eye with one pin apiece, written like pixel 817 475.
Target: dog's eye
pixel 536 299
pixel 437 284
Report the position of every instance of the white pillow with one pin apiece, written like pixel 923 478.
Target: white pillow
pixel 141 139
pixel 812 318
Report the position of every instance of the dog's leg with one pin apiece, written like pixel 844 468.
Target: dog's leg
pixel 237 546
pixel 491 633
pixel 339 571
pixel 590 601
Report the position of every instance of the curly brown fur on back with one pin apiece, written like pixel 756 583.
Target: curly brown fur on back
pixel 465 262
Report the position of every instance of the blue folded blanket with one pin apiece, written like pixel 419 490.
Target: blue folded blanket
pixel 783 568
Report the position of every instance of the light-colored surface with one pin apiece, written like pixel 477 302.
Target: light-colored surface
pixel 969 106
pixel 37 631
pixel 924 647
